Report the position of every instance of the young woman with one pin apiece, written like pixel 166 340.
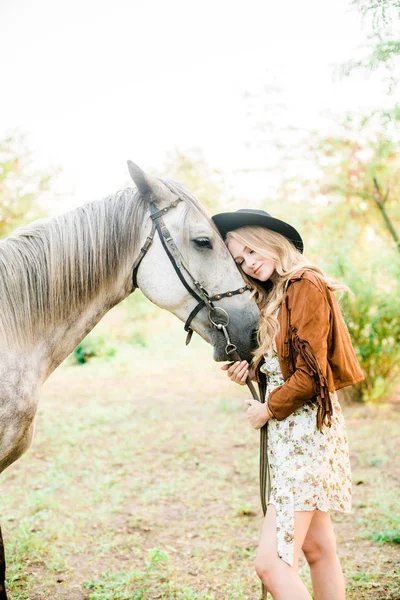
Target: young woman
pixel 305 351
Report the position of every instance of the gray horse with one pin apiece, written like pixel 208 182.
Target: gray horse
pixel 59 276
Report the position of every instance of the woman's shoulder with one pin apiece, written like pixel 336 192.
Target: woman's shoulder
pixel 307 295
pixel 305 278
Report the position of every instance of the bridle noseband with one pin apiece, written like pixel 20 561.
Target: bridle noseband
pixel 218 317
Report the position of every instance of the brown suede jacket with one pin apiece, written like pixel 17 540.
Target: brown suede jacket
pixel 314 349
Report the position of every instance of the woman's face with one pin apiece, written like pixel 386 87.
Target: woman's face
pixel 254 265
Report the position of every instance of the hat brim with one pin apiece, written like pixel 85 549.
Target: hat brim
pixel 233 220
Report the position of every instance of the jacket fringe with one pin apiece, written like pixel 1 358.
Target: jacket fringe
pixel 325 410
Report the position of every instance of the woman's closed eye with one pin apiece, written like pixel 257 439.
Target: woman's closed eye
pixel 240 262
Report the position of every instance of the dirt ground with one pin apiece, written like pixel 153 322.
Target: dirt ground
pixel 142 483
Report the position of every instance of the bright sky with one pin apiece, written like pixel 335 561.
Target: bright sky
pixel 93 83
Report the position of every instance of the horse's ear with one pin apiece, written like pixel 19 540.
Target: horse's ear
pixel 139 178
pixel 146 184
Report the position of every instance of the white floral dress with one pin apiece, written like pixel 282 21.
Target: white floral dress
pixel 308 469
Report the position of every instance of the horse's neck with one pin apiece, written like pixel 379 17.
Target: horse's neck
pixel 35 361
pixel 66 336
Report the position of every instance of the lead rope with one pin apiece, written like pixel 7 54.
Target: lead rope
pixel 265 479
pixel 264 476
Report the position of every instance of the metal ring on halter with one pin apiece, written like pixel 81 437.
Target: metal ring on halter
pixel 213 312
pixel 229 348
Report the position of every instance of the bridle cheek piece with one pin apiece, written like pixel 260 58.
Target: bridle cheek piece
pixel 218 317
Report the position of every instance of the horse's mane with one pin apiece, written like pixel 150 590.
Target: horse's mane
pixel 54 267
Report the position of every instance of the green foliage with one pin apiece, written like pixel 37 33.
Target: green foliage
pixel 381 520
pixel 374 323
pixel 133 585
pixel 157 558
pixel 383 20
pixel 114 585
pixel 380 10
pixel 20 185
pixel 387 536
pixel 134 318
pixel 93 345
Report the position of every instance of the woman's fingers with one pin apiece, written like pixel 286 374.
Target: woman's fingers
pixel 234 368
pixel 240 376
pixel 240 372
pixel 230 367
pixel 245 376
pixel 237 371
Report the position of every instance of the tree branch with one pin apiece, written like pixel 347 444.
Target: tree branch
pixel 380 202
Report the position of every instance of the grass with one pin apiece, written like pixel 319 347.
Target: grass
pixel 142 483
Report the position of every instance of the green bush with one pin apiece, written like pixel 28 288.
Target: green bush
pixel 373 319
pixel 93 345
pixel 372 311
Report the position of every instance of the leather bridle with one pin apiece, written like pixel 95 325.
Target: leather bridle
pixel 218 317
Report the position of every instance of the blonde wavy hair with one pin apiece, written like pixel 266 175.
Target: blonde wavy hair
pixel 269 295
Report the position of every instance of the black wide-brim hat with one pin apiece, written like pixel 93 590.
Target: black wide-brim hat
pixel 251 216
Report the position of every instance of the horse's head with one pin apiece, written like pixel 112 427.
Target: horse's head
pixel 187 233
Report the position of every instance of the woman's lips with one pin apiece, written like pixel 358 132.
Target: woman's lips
pixel 258 268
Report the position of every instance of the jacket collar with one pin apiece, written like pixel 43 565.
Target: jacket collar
pixel 298 275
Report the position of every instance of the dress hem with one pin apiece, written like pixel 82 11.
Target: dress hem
pixel 346 511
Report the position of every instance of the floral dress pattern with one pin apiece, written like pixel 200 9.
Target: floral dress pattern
pixel 309 469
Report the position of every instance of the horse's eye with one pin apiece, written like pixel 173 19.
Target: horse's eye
pixel 203 243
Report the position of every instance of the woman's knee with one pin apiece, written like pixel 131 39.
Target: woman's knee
pixel 318 548
pixel 266 568
pixel 261 568
pixel 320 543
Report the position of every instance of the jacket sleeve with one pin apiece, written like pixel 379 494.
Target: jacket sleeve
pixel 309 325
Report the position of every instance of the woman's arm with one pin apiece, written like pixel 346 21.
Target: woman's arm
pixel 308 336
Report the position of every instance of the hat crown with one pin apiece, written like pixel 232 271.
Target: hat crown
pixel 255 211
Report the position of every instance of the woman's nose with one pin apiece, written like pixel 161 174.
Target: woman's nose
pixel 250 260
pixel 249 264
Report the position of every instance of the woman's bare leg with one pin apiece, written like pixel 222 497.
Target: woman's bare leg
pixel 320 551
pixel 281 580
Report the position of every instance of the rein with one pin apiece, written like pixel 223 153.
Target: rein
pixel 218 317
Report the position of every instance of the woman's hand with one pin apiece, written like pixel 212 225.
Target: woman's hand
pixel 237 371
pixel 256 413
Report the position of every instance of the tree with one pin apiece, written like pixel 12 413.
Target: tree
pixel 361 170
pixel 383 18
pixel 20 185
